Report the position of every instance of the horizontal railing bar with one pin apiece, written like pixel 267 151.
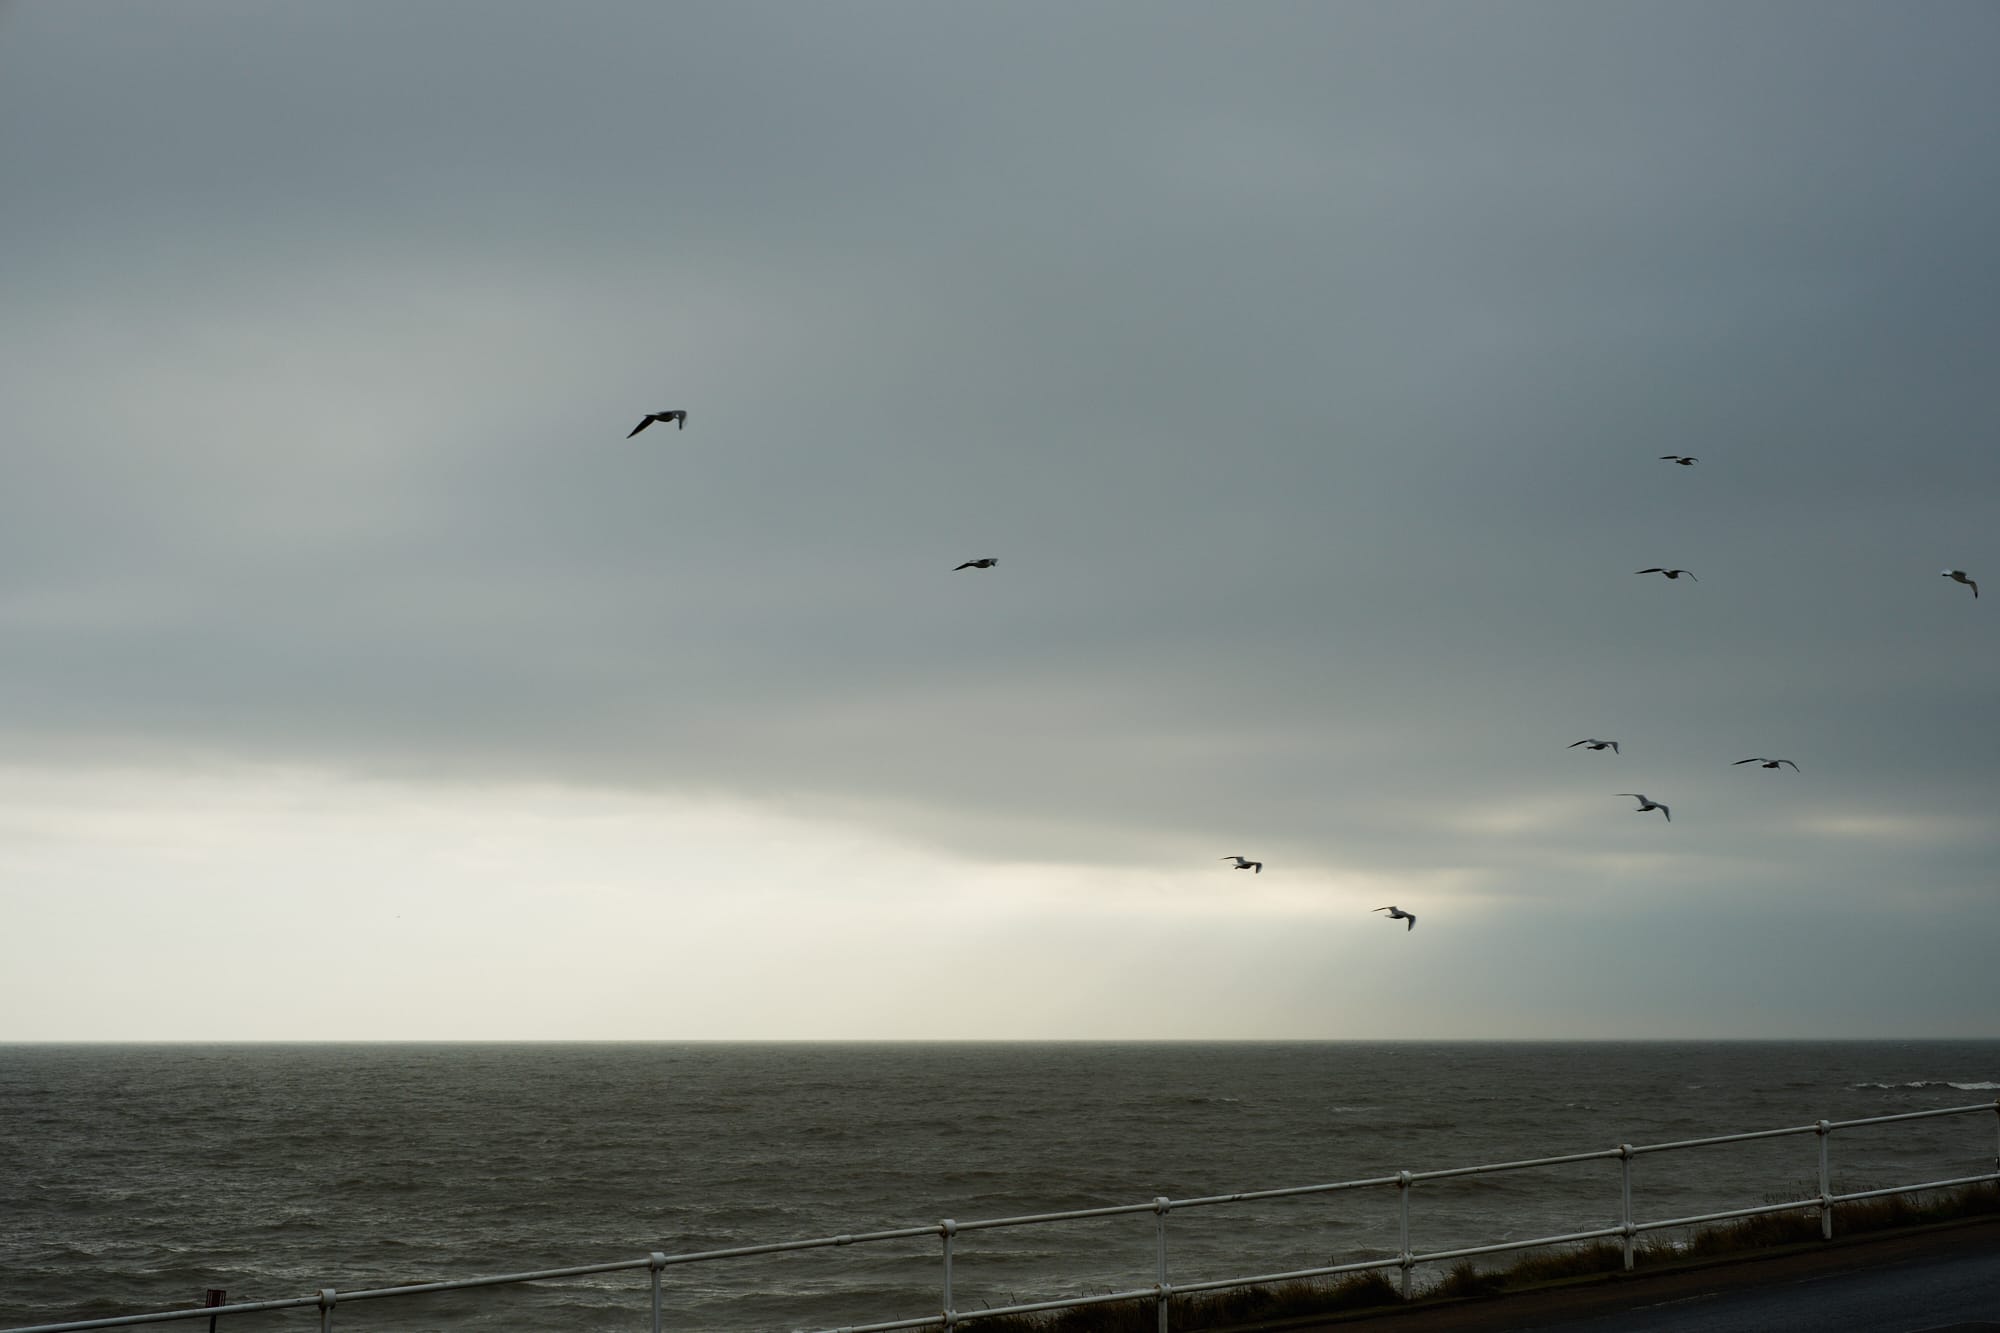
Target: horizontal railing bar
pixel 1911 1189
pixel 1814 1129
pixel 1762 1208
pixel 988 1312
pixel 1295 1275
pixel 1725 1138
pixel 162 1316
pixel 780 1246
pixel 921 1321
pixel 1067 1303
pixel 1437 1256
pixel 1028 1219
pixel 503 1279
pixel 1207 1200
pixel 587 1270
pixel 1914 1115
pixel 1449 1172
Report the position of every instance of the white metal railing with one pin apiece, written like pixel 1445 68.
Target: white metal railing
pixel 1162 1291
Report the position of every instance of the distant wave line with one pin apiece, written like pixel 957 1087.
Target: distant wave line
pixel 1933 1083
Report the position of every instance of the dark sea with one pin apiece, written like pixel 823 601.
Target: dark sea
pixel 134 1177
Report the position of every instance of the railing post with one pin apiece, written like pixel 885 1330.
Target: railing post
pixel 946 1230
pixel 1403 1236
pixel 656 1261
pixel 1824 1129
pixel 327 1297
pixel 1625 1227
pixel 1160 1206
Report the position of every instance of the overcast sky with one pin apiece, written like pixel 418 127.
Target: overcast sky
pixel 1306 367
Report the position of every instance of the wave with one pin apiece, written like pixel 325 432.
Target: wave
pixel 1931 1083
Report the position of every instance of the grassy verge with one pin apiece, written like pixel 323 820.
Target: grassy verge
pixel 1249 1307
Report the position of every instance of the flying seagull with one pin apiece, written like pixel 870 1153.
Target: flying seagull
pixel 678 417
pixel 1766 763
pixel 1670 573
pixel 1648 803
pixel 986 562
pixel 1685 460
pixel 1594 744
pixel 1959 575
pixel 1398 914
pixel 1244 863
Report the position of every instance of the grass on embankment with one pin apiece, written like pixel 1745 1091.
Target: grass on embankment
pixel 1246 1307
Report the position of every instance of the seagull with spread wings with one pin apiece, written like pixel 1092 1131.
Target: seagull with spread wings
pixel 1762 762
pixel 1670 573
pixel 1685 460
pixel 1398 914
pixel 1648 803
pixel 678 417
pixel 1959 576
pixel 1244 863
pixel 984 562
pixel 1594 744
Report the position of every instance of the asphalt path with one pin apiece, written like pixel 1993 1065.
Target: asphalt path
pixel 1959 1292
pixel 1944 1280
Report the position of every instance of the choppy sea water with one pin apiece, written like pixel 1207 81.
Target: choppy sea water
pixel 134 1177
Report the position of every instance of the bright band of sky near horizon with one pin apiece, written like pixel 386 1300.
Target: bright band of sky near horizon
pixel 1306 367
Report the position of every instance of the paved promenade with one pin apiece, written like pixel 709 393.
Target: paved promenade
pixel 1932 1281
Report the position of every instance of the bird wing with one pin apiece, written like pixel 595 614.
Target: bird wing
pixel 1573 744
pixel 641 426
pixel 1747 761
pixel 680 421
pixel 1691 577
pixel 1795 767
pixel 1256 867
pixel 1614 746
pixel 968 565
pixel 1668 813
pixel 1411 917
pixel 1654 570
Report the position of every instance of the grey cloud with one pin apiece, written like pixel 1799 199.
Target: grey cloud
pixel 1306 368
